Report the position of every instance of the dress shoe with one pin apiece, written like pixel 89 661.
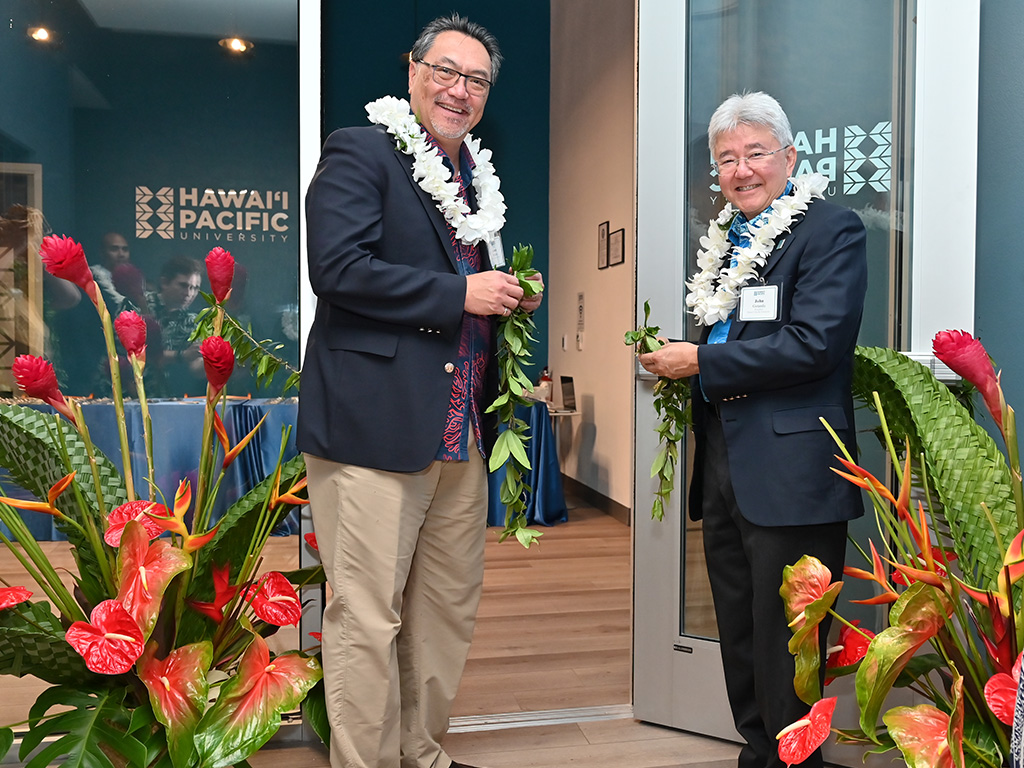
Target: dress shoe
pixel 461 765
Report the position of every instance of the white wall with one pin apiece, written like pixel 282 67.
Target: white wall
pixel 593 129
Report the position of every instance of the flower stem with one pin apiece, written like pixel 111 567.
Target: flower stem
pixel 147 422
pixel 115 385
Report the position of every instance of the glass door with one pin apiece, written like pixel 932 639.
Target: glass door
pixel 840 71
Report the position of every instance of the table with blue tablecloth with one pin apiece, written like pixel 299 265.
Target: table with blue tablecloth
pixel 546 505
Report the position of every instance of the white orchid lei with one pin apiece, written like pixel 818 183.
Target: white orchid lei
pixel 711 303
pixel 430 172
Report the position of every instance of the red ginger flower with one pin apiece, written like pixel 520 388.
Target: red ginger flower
pixel 131 331
pixel 64 258
pixel 220 268
pixel 218 360
pixel 36 378
pixel 111 643
pixel 12 596
pixel 274 600
pixel 967 358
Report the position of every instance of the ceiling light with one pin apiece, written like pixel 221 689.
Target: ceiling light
pixel 40 34
pixel 236 44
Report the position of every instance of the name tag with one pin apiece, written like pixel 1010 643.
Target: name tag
pixel 759 303
pixel 496 252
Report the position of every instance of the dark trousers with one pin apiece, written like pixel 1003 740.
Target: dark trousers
pixel 745 563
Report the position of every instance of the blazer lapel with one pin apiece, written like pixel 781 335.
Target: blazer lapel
pixel 430 206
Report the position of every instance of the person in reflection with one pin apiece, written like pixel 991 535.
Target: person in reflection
pixel 780 317
pixel 180 361
pixel 400 365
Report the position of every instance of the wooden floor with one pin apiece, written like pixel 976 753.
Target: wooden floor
pixel 553 633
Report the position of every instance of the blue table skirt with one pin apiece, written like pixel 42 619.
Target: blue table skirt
pixel 546 505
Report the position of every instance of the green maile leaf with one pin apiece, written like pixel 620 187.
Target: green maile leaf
pixel 96 724
pixel 527 536
pixel 500 452
pixel 518 449
pixel 915 618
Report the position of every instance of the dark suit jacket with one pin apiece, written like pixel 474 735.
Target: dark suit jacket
pixel 772 381
pixel 375 390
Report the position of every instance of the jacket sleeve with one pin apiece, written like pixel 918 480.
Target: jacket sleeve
pixel 827 299
pixel 359 198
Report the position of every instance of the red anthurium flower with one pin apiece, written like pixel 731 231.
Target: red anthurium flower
pixel 131 331
pixel 967 358
pixel 1001 693
pixel 928 737
pixel 178 691
pixel 318 636
pixel 799 740
pixel 220 268
pixel 146 569
pixel 133 510
pixel 48 506
pixel 877 575
pixel 111 642
pixel 808 593
pixel 218 360
pixel 63 257
pixel 11 596
pixel 274 600
pixel 248 711
pixel 36 378
pixel 223 593
pixel 311 540
pixel 851 647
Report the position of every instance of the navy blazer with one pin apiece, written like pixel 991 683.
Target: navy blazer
pixel 376 385
pixel 774 380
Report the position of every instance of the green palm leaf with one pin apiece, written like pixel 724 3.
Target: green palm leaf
pixel 32 643
pixel 964 465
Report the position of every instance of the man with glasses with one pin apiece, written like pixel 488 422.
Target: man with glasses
pixel 779 292
pixel 404 256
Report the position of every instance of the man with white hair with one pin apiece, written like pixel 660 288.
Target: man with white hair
pixel 779 292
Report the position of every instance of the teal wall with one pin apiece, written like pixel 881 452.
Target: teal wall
pixel 999 287
pixel 363 45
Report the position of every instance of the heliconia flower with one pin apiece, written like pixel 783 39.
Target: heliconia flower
pixel 230 454
pixel 131 332
pixel 808 593
pixel 147 569
pixel 799 740
pixel 36 378
pixel 941 558
pixel 12 596
pixel 223 593
pixel 288 497
pixel 111 642
pixel 888 595
pixel 967 358
pixel 851 647
pixel 1001 693
pixel 178 690
pixel 218 360
pixel 133 510
pixel 175 520
pixel 220 268
pixel 274 600
pixel 928 737
pixel 63 257
pixel 48 506
pixel 311 540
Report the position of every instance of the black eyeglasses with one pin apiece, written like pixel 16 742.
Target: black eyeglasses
pixel 448 77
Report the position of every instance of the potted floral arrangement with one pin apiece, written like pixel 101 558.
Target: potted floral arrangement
pixel 948 560
pixel 157 656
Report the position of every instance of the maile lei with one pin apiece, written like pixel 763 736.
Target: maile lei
pixel 713 291
pixel 430 172
pixel 514 331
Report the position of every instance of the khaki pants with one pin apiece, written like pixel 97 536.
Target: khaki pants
pixel 403 554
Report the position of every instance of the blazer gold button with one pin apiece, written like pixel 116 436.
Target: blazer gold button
pixel 449 367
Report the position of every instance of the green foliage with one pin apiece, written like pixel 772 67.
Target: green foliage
pixel 314 710
pixel 672 404
pixel 515 340
pixel 32 643
pixel 258 355
pixel 95 726
pixel 964 465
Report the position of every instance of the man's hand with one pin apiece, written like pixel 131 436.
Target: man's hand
pixel 675 360
pixel 492 293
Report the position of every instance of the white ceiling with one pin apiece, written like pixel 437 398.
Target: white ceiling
pixel 256 20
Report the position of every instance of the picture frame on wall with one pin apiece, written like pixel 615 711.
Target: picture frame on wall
pixel 602 245
pixel 616 247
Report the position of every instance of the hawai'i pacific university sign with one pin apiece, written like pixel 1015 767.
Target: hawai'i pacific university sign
pixel 191 213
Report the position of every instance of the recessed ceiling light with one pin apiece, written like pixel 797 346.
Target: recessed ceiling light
pixel 40 34
pixel 236 44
